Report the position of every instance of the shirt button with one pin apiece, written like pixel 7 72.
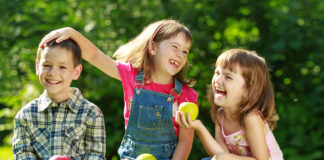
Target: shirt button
pixel 158 114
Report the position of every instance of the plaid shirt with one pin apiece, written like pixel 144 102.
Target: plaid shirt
pixel 75 128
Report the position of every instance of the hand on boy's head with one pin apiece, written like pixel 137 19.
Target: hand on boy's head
pixel 59 34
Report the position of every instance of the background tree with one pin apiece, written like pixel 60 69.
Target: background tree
pixel 289 34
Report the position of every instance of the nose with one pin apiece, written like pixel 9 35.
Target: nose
pixel 52 71
pixel 180 54
pixel 217 80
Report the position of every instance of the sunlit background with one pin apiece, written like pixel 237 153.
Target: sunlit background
pixel 288 33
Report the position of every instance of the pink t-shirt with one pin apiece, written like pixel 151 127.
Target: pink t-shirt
pixel 128 73
pixel 238 144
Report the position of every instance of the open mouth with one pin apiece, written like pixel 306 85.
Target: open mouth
pixel 54 82
pixel 220 92
pixel 174 63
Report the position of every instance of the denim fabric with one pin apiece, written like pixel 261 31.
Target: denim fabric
pixel 150 127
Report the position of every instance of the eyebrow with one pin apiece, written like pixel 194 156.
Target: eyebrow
pixel 174 42
pixel 61 63
pixel 227 72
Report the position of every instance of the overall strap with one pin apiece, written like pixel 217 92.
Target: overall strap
pixel 139 79
pixel 176 91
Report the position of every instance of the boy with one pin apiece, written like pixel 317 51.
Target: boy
pixel 60 121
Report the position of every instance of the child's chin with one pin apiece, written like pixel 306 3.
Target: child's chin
pixel 218 101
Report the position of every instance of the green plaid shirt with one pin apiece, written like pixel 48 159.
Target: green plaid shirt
pixel 74 128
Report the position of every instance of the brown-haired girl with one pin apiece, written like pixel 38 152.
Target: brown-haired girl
pixel 243 109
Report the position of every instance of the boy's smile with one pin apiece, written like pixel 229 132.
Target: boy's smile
pixel 56 71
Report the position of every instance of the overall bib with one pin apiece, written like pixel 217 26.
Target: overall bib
pixel 150 127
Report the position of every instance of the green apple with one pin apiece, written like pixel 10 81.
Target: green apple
pixel 145 156
pixel 189 107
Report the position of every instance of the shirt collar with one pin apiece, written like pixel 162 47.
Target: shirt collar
pixel 74 102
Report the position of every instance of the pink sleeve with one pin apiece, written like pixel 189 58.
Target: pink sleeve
pixel 127 75
pixel 188 95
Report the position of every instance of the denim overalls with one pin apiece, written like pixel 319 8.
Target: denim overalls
pixel 150 127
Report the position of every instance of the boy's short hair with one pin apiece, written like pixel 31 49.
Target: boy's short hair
pixel 68 44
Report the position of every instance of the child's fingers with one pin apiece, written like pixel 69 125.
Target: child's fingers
pixel 183 120
pixel 179 119
pixel 59 34
pixel 52 35
pixel 189 119
pixel 62 38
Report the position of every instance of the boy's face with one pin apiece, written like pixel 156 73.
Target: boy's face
pixel 55 70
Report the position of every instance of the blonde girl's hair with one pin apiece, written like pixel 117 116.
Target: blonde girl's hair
pixel 136 51
pixel 260 94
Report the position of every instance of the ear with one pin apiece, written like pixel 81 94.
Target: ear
pixel 152 48
pixel 37 67
pixel 77 72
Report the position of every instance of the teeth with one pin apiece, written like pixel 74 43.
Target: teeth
pixel 220 90
pixel 53 81
pixel 175 62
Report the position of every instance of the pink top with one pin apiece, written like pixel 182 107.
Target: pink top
pixel 239 145
pixel 128 73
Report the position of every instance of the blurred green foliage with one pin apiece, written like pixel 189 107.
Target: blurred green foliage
pixel 289 34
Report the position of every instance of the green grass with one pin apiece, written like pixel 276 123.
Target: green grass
pixel 6 153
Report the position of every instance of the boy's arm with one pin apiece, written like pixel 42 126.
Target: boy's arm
pixel 95 136
pixel 183 147
pixel 21 145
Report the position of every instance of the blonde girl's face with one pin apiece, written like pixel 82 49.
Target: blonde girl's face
pixel 228 88
pixel 170 55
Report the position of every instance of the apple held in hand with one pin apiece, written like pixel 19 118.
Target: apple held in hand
pixel 59 158
pixel 189 107
pixel 146 156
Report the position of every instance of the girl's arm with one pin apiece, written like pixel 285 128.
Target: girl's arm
pixel 184 145
pixel 219 138
pixel 89 51
pixel 255 131
pixel 208 141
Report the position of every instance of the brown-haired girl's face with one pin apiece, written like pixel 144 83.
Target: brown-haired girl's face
pixel 228 87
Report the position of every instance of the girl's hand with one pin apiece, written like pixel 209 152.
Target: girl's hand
pixel 59 34
pixel 186 123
